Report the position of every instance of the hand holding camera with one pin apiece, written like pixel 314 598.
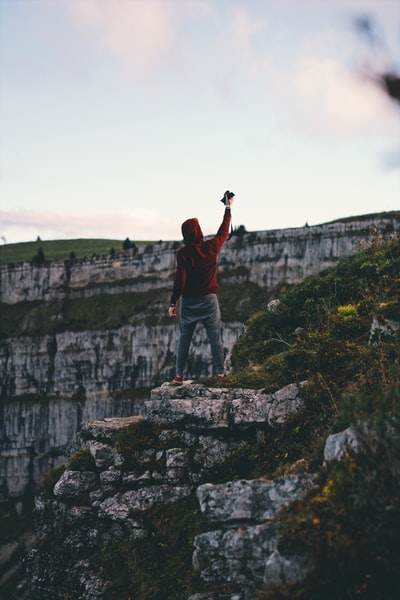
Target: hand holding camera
pixel 228 198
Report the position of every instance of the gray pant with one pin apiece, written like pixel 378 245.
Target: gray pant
pixel 206 310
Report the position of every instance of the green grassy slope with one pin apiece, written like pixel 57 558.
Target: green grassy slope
pixel 59 250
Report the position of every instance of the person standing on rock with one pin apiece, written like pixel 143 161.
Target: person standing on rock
pixel 196 284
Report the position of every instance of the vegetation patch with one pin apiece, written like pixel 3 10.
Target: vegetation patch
pixel 48 481
pixel 349 527
pixel 240 300
pixel 322 328
pixel 108 311
pixel 132 440
pixel 102 311
pixel 60 250
pixel 159 566
pixel 81 460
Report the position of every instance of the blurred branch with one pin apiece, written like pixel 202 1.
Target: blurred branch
pixel 387 79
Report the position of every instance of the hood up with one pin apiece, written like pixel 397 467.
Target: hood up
pixel 191 231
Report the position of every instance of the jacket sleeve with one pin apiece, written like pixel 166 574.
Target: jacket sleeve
pixel 223 230
pixel 180 278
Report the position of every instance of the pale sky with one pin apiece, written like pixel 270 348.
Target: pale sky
pixel 123 118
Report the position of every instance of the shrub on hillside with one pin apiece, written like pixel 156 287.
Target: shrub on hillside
pixel 39 259
pixel 323 326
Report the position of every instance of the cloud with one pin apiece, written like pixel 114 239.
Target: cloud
pixel 310 81
pixel 331 98
pixel 137 224
pixel 139 32
pixel 245 28
pixel 319 94
pixel 317 91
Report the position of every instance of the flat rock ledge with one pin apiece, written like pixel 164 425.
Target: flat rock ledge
pixel 197 406
pixel 190 430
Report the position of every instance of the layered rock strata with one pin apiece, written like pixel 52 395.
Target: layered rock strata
pixel 269 257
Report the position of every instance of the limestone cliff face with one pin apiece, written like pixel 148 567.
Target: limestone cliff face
pixel 269 258
pixel 149 268
pixel 36 435
pixel 70 363
pixel 52 383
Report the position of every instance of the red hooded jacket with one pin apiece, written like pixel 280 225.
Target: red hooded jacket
pixel 196 262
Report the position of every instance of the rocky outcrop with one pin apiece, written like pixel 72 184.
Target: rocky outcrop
pixel 244 550
pixel 189 431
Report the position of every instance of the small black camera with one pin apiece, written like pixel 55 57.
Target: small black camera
pixel 227 196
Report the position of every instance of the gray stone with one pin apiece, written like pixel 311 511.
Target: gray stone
pixel 177 462
pixel 122 505
pixel 382 328
pixel 255 500
pixel 212 451
pixel 93 586
pixel 133 479
pixel 102 454
pixel 280 570
pixel 107 428
pixel 73 484
pixel 337 444
pixel 176 458
pixel 251 407
pixel 192 413
pixel 111 477
pixel 273 305
pixel 286 403
pixel 78 514
pixel 236 555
